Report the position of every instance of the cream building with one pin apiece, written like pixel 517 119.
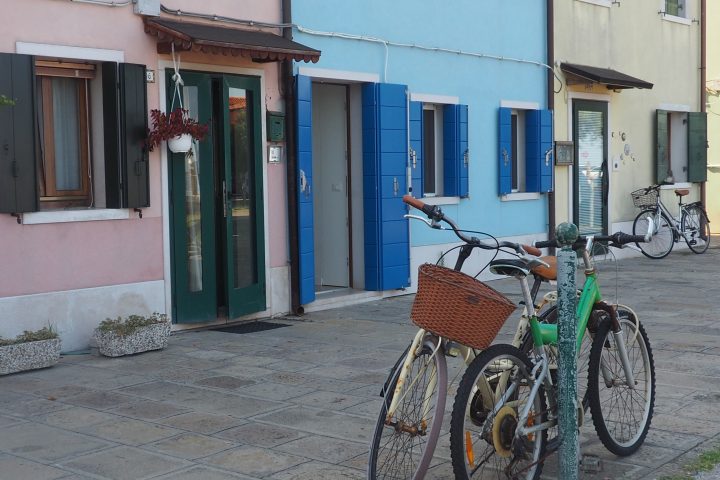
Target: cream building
pixel 630 103
pixel 713 109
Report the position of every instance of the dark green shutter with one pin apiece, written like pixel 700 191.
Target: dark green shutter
pixel 697 147
pixel 18 184
pixel 662 171
pixel 133 125
pixel 125 130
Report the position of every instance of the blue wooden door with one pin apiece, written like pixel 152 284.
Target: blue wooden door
pixel 303 98
pixel 385 156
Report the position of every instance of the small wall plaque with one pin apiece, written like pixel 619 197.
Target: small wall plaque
pixel 564 153
pixel 275 153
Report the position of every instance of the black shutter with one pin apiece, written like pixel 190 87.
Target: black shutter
pixel 111 134
pixel 125 130
pixel 18 184
pixel 133 118
pixel 662 164
pixel 697 146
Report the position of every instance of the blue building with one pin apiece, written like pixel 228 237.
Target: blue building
pixel 444 101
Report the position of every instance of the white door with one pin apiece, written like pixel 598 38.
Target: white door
pixel 330 177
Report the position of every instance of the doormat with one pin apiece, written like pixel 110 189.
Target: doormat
pixel 251 327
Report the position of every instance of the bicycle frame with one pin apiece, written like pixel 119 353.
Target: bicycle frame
pixel 675 225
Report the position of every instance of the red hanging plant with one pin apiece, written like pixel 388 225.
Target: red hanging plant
pixel 178 122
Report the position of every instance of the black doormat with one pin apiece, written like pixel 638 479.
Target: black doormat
pixel 251 327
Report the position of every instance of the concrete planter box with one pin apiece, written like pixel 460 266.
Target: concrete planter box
pixel 29 355
pixel 150 337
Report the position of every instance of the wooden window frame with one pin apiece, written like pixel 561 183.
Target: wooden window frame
pixel 50 196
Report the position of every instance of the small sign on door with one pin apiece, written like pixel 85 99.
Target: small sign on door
pixel 275 153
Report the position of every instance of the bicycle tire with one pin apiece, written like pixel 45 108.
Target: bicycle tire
pixel 663 237
pixel 615 424
pixel 390 459
pixel 497 438
pixel 694 219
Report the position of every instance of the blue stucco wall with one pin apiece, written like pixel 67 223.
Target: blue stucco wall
pixel 496 27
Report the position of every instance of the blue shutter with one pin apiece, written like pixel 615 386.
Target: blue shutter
pixel 416 144
pixel 505 151
pixel 303 98
pixel 385 153
pixel 538 142
pixel 455 150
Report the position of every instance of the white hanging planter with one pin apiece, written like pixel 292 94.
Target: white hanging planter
pixel 181 143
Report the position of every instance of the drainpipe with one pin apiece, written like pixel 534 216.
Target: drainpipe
pixel 703 75
pixel 290 113
pixel 550 14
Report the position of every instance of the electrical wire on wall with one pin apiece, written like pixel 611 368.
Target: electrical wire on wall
pixel 108 3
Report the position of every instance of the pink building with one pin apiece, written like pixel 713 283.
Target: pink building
pixel 93 225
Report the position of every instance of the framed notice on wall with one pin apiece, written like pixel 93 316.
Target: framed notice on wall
pixel 564 153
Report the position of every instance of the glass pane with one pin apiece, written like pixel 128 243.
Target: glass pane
pixel 429 151
pixel 65 129
pixel 590 175
pixel 193 217
pixel 241 189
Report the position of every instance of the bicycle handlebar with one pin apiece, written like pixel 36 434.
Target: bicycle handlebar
pixel 616 239
pixel 436 215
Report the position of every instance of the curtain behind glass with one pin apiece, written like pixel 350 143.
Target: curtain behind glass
pixel 65 124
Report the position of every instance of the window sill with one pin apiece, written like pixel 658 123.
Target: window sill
pixel 66 216
pixel 677 185
pixel 599 3
pixel 675 19
pixel 441 200
pixel 514 197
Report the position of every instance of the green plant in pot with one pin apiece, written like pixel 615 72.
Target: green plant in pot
pixel 177 128
pixel 133 334
pixel 29 350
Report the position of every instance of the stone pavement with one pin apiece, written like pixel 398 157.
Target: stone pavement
pixel 300 401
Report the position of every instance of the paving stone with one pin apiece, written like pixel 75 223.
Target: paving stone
pixel 202 473
pixel 46 444
pixel 325 449
pixel 125 463
pixel 260 434
pixel 205 423
pixel 75 418
pixel 320 471
pixel 32 408
pixel 213 355
pixel 101 400
pixel 333 400
pixel 253 461
pixel 692 426
pixel 149 410
pixel 190 446
pixel 61 392
pixel 12 467
pixel 669 439
pixel 275 391
pixel 322 422
pixel 224 381
pixel 129 431
pixel 6 421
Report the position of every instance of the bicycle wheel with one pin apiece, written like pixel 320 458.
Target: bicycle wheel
pixel 621 415
pixel 483 445
pixel 663 237
pixel 695 226
pixel 403 445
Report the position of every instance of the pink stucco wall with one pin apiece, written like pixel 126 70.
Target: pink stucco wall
pixel 64 256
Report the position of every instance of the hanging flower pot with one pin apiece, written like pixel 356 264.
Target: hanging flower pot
pixel 181 143
pixel 176 127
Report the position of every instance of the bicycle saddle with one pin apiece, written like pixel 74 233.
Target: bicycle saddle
pixel 510 267
pixel 682 192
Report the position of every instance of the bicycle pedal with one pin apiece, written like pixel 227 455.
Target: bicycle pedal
pixel 590 464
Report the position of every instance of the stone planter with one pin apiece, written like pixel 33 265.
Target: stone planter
pixel 29 355
pixel 150 337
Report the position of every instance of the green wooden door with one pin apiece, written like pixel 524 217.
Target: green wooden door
pixel 243 195
pixel 216 202
pixel 193 242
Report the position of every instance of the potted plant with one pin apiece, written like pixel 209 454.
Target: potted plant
pixel 133 334
pixel 177 129
pixel 30 350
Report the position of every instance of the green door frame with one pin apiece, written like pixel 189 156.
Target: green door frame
pixel 210 247
pixel 590 106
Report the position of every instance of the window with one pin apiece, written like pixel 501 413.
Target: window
pixel 432 150
pixel 681 147
pixel 525 154
pixel 64 170
pixel 439 149
pixel 675 8
pixel 74 137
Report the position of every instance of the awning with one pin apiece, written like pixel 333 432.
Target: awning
pixel 606 76
pixel 208 38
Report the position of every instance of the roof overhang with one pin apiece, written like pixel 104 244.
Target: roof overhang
pixel 208 38
pixel 614 80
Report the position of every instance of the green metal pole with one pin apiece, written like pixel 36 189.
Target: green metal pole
pixel 566 235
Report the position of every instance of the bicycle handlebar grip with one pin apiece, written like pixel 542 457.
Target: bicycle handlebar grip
pixel 624 238
pixel 545 244
pixel 428 210
pixel 532 250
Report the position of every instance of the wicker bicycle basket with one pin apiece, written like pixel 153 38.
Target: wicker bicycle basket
pixel 643 199
pixel 458 307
